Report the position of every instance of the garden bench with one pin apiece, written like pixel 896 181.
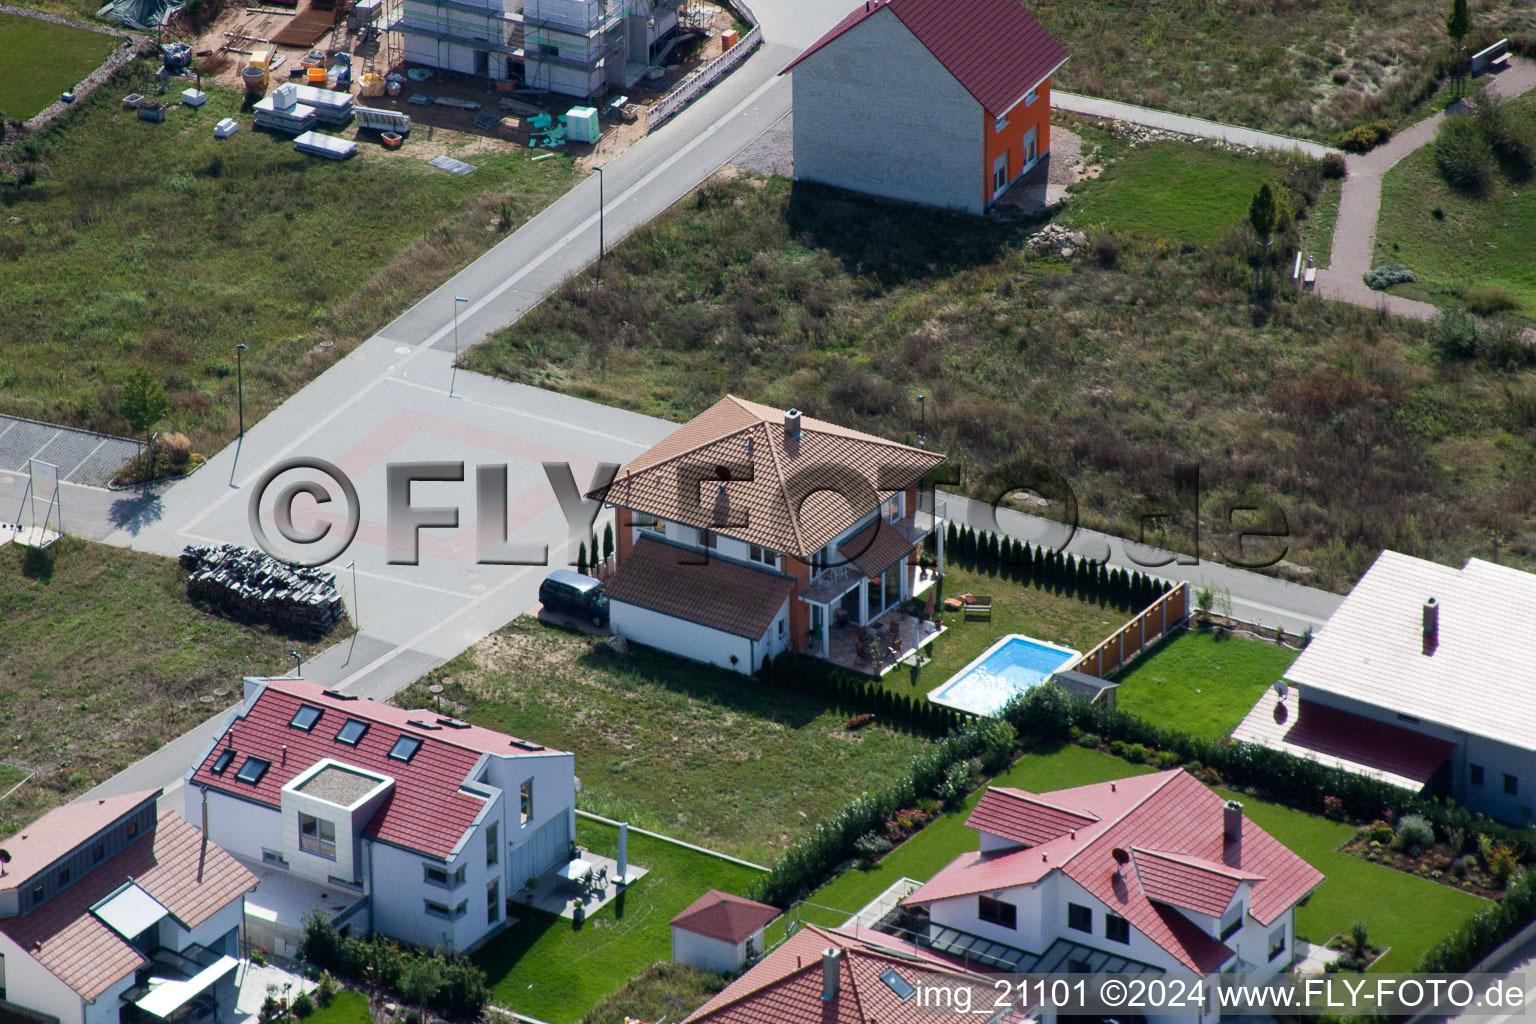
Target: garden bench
pixel 1495 56
pixel 979 606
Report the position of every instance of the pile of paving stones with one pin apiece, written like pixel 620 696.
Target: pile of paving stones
pixel 253 586
pixel 1055 240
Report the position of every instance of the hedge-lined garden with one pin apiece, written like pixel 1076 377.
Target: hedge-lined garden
pixel 1130 591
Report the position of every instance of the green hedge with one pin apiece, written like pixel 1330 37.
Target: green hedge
pixel 855 692
pixel 450 985
pixel 814 858
pixel 1482 933
pixel 1012 559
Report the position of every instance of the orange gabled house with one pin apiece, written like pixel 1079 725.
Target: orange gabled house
pixel 941 102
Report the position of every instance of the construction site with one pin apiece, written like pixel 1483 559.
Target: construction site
pixel 577 76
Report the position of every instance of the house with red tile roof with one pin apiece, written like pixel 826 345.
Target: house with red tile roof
pixel 1151 873
pixel 941 102
pixel 824 976
pixel 1383 690
pixel 752 530
pixel 407 823
pixel 110 911
pixel 720 932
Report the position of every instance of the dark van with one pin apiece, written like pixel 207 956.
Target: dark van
pixel 566 591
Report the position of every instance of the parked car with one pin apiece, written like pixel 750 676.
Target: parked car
pixel 566 591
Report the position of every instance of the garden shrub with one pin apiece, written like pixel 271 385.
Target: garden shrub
pixel 1457 335
pixel 1384 277
pixel 1333 166
pixel 1414 834
pixel 958 780
pixel 451 985
pixel 1463 156
pixel 1482 933
pixel 303 1005
pixel 1508 135
pixel 1364 137
pixel 1088 741
pixel 1135 753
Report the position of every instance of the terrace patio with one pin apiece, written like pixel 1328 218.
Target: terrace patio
pixel 890 639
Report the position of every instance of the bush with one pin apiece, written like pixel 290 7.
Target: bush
pixel 959 779
pixel 1481 933
pixel 1378 831
pixel 1333 166
pixel 1384 277
pixel 1414 833
pixel 871 845
pixel 1486 300
pixel 1364 137
pixel 1044 711
pixel 326 990
pixel 1463 156
pixel 1135 753
pixel 1508 135
pixel 303 1005
pixel 1457 335
pixel 1088 740
pixel 1106 250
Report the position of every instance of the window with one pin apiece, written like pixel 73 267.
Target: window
pixel 273 857
pixel 352 733
pixel 1117 928
pixel 493 901
pixel 460 910
pixel 527 801
pixel 897 984
pixel 305 718
pixel 251 771
pixel 1079 918
pixel 999 124
pixel 708 539
pixel 1511 784
pixel 1407 718
pixel 1231 925
pixel 63 877
pixel 98 853
pixel 405 748
pixel 783 628
pixel 317 836
pixel 37 894
pixel 224 758
pixel 1277 942
pixel 763 555
pixel 435 875
pixel 492 845
pixel 1030 97
pixel 436 909
pixel 1476 772
pixel 1004 915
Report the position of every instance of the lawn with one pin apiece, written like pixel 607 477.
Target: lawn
pixel 547 967
pixel 849 309
pixel 106 660
pixel 1028 608
pixel 1406 913
pixel 656 993
pixel 39 60
pixel 1489 242
pixel 346 1008
pixel 677 747
pixel 1201 685
pixel 10 777
pixel 1309 69
pixel 1174 190
pixel 157 245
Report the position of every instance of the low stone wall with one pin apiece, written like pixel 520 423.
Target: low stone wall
pixel 132 47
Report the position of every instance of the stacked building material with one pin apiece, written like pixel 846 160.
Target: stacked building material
pixel 282 112
pixel 383 120
pixel 332 107
pixel 328 146
pixel 250 585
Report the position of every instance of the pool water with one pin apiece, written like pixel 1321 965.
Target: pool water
pixel 1008 668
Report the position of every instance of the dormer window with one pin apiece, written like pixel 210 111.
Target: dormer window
pixel 708 539
pixel 1231 924
pixel 405 748
pixel 251 771
pixel 225 756
pixel 305 718
pixel 352 733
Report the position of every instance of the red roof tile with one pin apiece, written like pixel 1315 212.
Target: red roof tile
pixel 192 883
pixel 1023 817
pixel 712 592
pixel 426 811
pixel 994 48
pixel 1187 882
pixel 719 915
pixel 1170 813
pixel 876 547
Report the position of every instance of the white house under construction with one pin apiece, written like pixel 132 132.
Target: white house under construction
pixel 572 47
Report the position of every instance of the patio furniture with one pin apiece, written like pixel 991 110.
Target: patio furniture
pixel 978 605
pixel 577 872
pixel 860 652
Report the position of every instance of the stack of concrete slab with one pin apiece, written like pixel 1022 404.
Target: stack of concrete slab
pixel 282 112
pixel 328 146
pixel 332 107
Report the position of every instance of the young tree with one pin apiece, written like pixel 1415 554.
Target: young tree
pixel 1261 214
pixel 1457 24
pixel 143 403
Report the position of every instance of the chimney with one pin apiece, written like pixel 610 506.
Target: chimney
pixel 1232 821
pixel 792 425
pixel 1431 625
pixel 831 962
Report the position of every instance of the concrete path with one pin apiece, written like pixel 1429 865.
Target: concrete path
pixel 1184 124
pixel 1255 598
pixel 1354 233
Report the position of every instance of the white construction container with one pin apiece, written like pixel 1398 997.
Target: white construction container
pixel 581 125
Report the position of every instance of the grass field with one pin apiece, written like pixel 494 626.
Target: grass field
pixel 39 60
pixel 1407 913
pixel 1200 685
pixel 1177 191
pixel 104 662
pixel 684 749
pixel 547 967
pixel 10 776
pixel 1476 241
pixel 347 1008
pixel 849 309
pixel 1299 67
pixel 157 245
pixel 649 995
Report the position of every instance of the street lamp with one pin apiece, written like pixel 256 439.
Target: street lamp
pixel 922 431
pixel 240 384
pixel 454 376
pixel 356 618
pixel 601 246
pixel 298 664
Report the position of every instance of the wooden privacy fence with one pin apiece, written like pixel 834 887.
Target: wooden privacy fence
pixel 702 79
pixel 1135 636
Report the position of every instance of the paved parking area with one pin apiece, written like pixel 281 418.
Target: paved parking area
pixel 83 457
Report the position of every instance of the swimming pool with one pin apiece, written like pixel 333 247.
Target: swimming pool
pixel 1009 667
